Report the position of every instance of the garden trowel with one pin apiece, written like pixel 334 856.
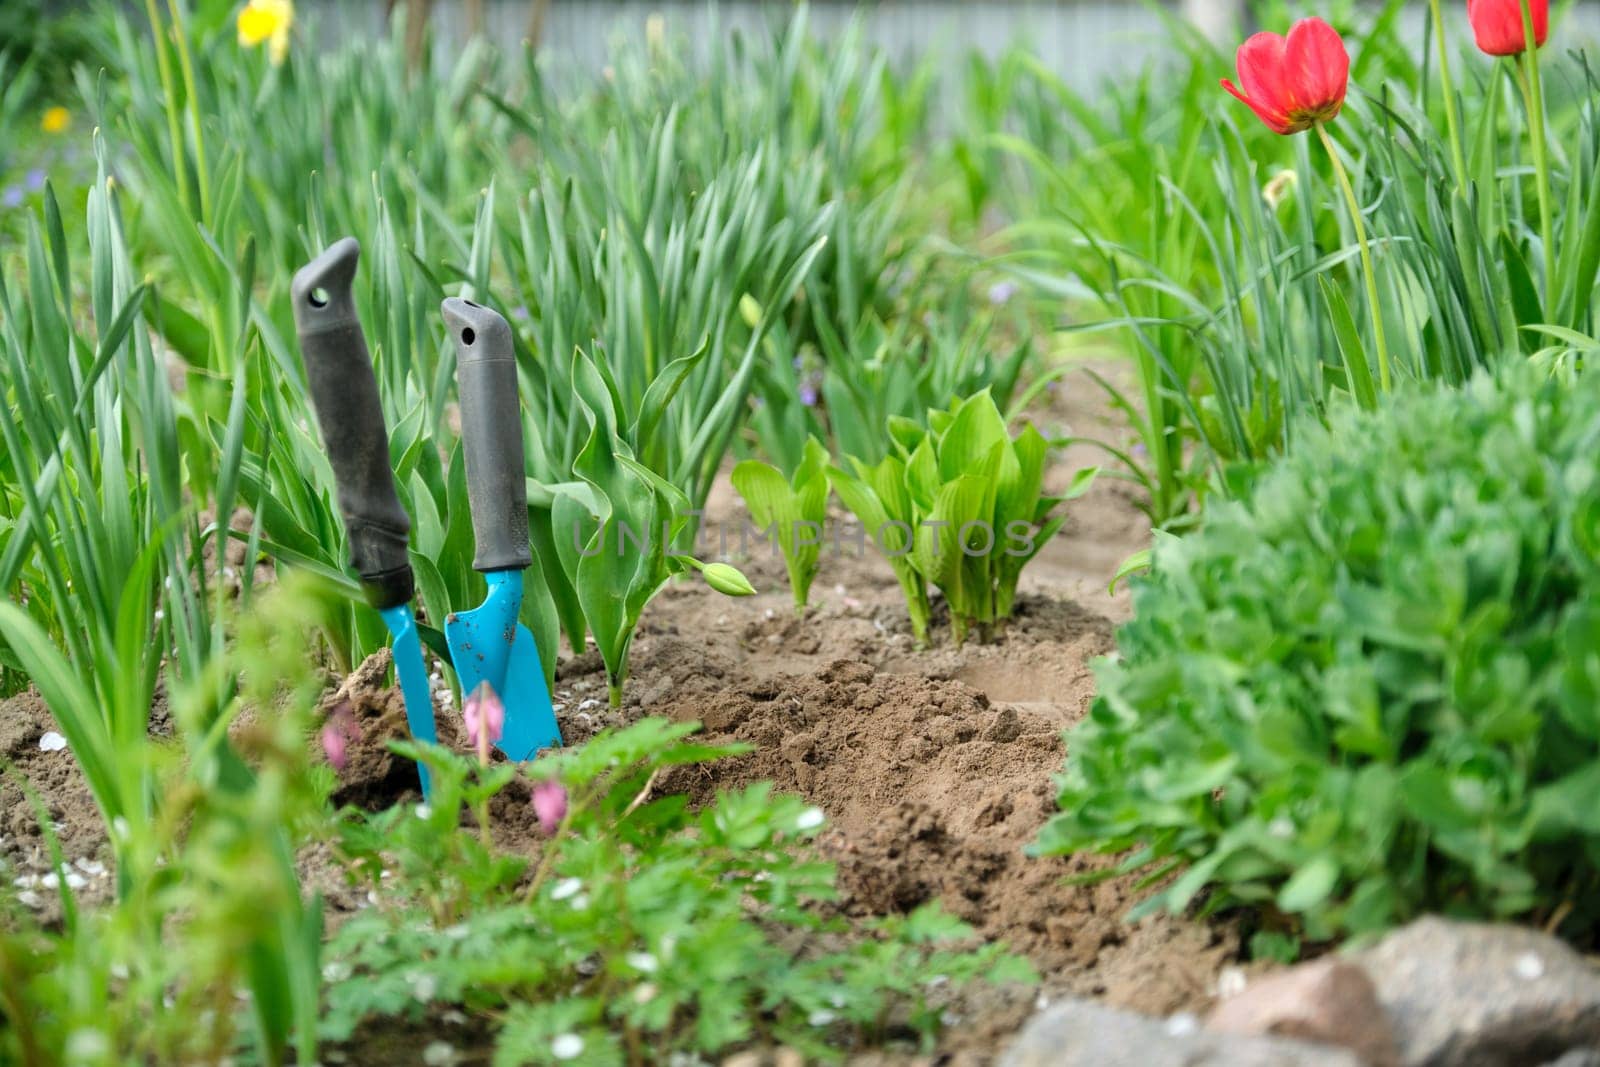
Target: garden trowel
pixel 488 644
pixel 345 395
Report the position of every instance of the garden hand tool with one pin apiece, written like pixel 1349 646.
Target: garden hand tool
pixel 488 644
pixel 345 395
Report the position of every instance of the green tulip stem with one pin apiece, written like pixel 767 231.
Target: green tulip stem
pixel 1384 379
pixel 1458 158
pixel 1533 92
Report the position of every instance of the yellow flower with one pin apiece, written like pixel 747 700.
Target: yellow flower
pixel 55 120
pixel 269 21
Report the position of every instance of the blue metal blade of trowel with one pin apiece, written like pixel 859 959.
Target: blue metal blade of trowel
pixel 413 674
pixel 488 644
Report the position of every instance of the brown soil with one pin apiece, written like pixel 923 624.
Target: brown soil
pixel 934 767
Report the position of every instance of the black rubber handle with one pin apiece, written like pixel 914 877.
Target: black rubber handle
pixel 491 434
pixel 345 394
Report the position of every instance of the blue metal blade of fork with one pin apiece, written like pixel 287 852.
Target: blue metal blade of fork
pixel 408 664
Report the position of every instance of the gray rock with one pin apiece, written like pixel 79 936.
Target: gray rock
pixel 1328 1000
pixel 1578 1057
pixel 1080 1033
pixel 1483 995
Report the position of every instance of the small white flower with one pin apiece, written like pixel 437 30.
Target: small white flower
pixel 1182 1024
pixel 54 742
pixel 335 971
pixel 87 1046
pixel 423 985
pixel 580 902
pixel 643 961
pixel 810 819
pixel 566 1047
pixel 565 888
pixel 645 993
pixel 424 812
pixel 821 1017
pixel 439 1054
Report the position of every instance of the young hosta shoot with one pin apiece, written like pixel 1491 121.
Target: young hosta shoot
pixel 878 497
pixel 971 498
pixel 615 528
pixel 792 509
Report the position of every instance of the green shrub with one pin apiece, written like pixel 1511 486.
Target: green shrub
pixel 1371 687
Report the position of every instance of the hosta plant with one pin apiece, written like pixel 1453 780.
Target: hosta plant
pixel 792 509
pixel 1367 689
pixel 971 498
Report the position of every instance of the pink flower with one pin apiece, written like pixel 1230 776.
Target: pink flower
pixel 549 805
pixel 485 717
pixel 339 732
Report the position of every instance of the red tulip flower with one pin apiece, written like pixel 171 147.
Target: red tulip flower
pixel 1294 82
pixel 1497 25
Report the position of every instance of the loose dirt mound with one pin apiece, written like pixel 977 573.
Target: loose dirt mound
pixel 933 793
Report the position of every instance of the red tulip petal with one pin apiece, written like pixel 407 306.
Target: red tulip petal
pixel 1261 71
pixel 1276 122
pixel 1316 68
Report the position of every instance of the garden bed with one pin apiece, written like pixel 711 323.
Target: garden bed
pixel 934 767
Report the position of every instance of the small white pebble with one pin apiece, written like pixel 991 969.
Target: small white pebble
pixel 1041 1002
pixel 821 1017
pixel 1231 982
pixel 1529 966
pixel 93 868
pixel 587 704
pixel 30 899
pixel 424 812
pixel 566 1047
pixel 1182 1024
pixel 566 888
pixel 52 742
pixel 76 880
pixel 810 819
